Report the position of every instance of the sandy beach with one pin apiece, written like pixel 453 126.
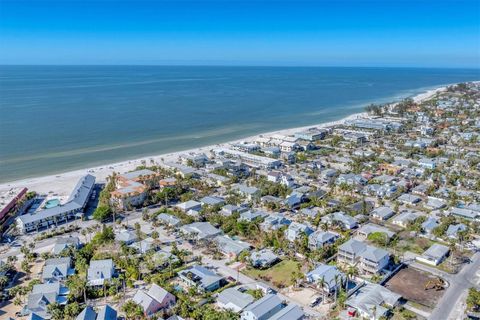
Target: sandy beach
pixel 62 183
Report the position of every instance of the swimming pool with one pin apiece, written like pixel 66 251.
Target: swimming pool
pixel 52 203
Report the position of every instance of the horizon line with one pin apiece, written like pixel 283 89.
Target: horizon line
pixel 233 65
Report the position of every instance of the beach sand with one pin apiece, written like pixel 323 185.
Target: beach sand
pixel 63 183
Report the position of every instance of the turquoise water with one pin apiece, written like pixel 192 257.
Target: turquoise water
pixel 58 118
pixel 52 203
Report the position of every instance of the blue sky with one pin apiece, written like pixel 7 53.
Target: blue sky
pixel 429 33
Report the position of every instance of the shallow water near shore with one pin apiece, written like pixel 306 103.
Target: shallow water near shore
pixel 59 118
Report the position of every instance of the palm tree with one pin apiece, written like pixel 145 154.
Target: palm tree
pixel 352 272
pixel 322 283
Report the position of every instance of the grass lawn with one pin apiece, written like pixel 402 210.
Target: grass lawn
pixel 416 245
pixel 280 275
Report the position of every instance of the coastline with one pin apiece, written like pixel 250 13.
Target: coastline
pixel 62 183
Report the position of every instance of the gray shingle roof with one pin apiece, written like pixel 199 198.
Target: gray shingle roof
pixel 290 312
pixel 77 200
pixel 235 297
pixel 264 305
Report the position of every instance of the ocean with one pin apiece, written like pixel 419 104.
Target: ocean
pixel 59 118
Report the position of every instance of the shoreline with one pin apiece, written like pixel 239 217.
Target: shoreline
pixel 62 183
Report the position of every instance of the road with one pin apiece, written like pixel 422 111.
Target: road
pixel 450 305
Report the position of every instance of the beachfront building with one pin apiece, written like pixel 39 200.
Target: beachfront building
pixel 131 189
pixel 9 200
pixel 249 159
pixel 311 134
pixel 73 208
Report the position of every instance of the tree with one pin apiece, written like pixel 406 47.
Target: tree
pixel 3 281
pixel 473 299
pixel 379 238
pixel 77 287
pixel 72 310
pixel 56 311
pixel 102 212
pixel 25 266
pixel 132 310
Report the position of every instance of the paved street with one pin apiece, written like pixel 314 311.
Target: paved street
pixel 449 305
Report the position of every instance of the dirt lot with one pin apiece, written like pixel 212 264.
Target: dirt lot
pixel 410 283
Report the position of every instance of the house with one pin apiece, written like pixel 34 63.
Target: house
pixel 231 248
pixel 274 222
pixel 340 218
pixel 435 203
pixel 71 209
pixel 290 312
pixel 263 309
pixel 427 163
pixel 311 212
pixel 201 278
pixel 409 199
pixel 361 207
pixel 169 220
pixel 294 199
pixel 434 255
pixel 331 277
pixel 153 300
pixel 370 299
pixel 454 229
pixel 274 176
pixel 295 230
pixel 420 190
pixel 351 179
pixel 162 259
pixel 233 299
pixel 371 259
pixel 57 269
pixel 104 313
pixel 145 245
pixel 465 213
pixel 328 175
pixel 63 243
pixel 312 134
pixel 319 239
pixel 250 193
pixel 355 137
pixel 370 228
pixel 99 271
pixel 200 230
pixel 212 201
pixel 382 213
pixel 189 205
pixel 430 224
pixel 126 236
pixel 404 218
pixel 229 209
pixel 264 258
pixel 43 295
pixel 250 216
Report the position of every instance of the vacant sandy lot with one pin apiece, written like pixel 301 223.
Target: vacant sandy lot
pixel 410 283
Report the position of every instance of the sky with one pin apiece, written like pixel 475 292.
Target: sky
pixel 378 33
